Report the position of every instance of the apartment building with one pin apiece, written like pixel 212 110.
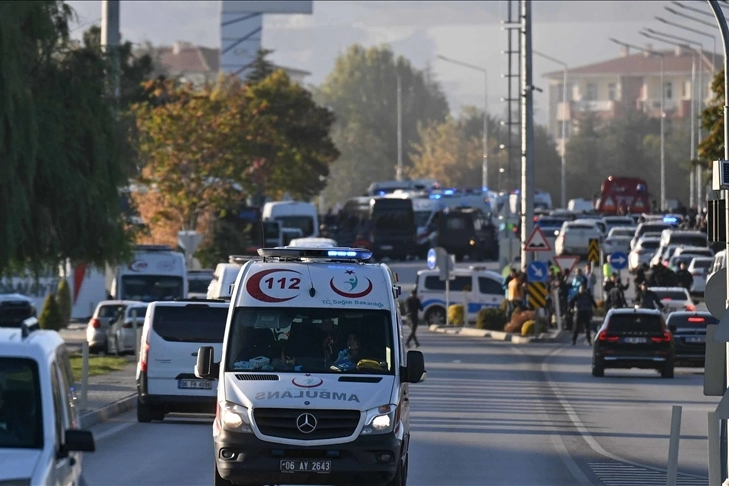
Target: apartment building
pixel 198 64
pixel 629 82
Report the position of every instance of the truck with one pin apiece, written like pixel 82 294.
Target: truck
pixel 624 195
pixel 156 272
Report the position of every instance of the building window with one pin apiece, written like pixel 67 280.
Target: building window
pixel 668 90
pixel 591 94
pixel 612 92
pixel 561 92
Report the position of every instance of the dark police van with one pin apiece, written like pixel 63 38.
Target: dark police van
pixel 465 232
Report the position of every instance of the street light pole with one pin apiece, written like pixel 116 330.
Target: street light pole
pixel 663 115
pixel 485 163
pixel 564 125
pixel 699 32
pixel 399 129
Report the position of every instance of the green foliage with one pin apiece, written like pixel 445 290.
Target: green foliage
pixel 362 92
pixel 224 240
pixel 261 67
pixel 712 121
pixel 60 144
pixel 490 318
pixel 50 317
pixel 65 304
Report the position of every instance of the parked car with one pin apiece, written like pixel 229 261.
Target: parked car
pixel 618 239
pixel 655 226
pixel 198 282
pixel 642 252
pixel 689 336
pixel 619 222
pixel 574 237
pixel 122 332
pixel 633 338
pixel 674 298
pixel 699 268
pixel 98 326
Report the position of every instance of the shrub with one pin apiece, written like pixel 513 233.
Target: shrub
pixel 64 302
pixel 518 319
pixel 491 319
pixel 455 315
pixel 504 306
pixel 527 329
pixel 50 317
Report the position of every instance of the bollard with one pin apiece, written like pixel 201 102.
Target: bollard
pixel 84 375
pixel 714 449
pixel 136 334
pixel 673 445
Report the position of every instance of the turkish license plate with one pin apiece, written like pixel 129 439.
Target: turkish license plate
pixel 296 466
pixel 635 340
pixel 386 247
pixel 696 339
pixel 195 384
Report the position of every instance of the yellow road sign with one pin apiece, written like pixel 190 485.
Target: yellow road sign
pixel 536 295
pixel 593 251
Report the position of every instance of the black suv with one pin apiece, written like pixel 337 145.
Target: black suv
pixel 633 338
pixel 689 336
pixel 465 231
pixel 14 309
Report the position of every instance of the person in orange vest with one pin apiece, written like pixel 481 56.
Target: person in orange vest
pixel 361 242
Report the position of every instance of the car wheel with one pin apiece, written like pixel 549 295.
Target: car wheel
pixel 435 315
pixel 667 371
pixel 401 473
pixel 218 480
pixel 145 414
pixel 598 369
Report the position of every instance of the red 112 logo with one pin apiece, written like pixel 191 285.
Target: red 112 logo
pixel 274 285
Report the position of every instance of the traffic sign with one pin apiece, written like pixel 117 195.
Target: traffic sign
pixel 715 293
pixel 618 260
pixel 536 295
pixel 593 251
pixel 566 263
pixel 537 241
pixel 432 259
pixel 537 272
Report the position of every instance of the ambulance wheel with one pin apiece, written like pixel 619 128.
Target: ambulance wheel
pixel 401 475
pixel 145 414
pixel 435 315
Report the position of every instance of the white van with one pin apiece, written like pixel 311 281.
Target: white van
pixel 313 378
pixel 172 334
pixel 40 442
pixel 474 286
pixel 224 277
pixel 293 214
pixel 718 263
pixel 156 272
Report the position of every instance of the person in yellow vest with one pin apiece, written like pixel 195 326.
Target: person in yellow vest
pixel 607 271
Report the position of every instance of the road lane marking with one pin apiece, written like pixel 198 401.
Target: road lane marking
pixel 112 431
pixel 594 445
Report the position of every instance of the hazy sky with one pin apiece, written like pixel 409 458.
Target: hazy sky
pixel 572 31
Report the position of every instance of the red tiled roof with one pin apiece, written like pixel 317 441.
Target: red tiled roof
pixel 639 64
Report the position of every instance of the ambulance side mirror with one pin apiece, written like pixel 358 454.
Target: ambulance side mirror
pixel 414 372
pixel 205 367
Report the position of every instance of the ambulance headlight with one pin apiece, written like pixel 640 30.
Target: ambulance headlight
pixel 381 420
pixel 234 418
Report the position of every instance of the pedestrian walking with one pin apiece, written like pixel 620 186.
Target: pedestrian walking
pixel 413 305
pixel 684 277
pixel 583 303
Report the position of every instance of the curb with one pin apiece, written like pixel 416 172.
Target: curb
pixel 93 417
pixel 495 335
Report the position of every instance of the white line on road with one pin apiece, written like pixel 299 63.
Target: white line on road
pixel 581 427
pixel 112 431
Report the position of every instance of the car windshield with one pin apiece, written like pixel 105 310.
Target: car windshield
pixel 620 232
pixel 198 286
pixel 107 311
pixel 677 260
pixel 650 245
pixel 392 220
pixel 702 263
pixel 21 423
pixel 311 341
pixel 581 227
pixel 148 288
pixel 550 223
pixel 689 240
pixel 304 223
pixel 421 218
pixel 193 323
pixel 688 320
pixel 628 323
pixel 671 295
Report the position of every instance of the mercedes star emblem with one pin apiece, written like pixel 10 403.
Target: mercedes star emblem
pixel 306 423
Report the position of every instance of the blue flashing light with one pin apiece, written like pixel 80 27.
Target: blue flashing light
pixel 341 253
pixel 381 193
pixel 448 192
pixel 316 252
pixel 434 196
pixel 484 189
pixel 670 220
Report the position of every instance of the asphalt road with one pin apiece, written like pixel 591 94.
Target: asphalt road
pixel 491 413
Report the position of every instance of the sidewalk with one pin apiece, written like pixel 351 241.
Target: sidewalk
pixel 108 396
pixel 553 336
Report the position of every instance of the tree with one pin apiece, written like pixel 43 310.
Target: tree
pixel 60 144
pixel 50 317
pixel 65 304
pixel 261 67
pixel 223 240
pixel 712 120
pixel 362 92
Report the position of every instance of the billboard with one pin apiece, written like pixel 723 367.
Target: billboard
pixel 241 30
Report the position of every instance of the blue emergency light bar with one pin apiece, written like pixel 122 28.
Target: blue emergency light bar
pixel 316 252
pixel 670 220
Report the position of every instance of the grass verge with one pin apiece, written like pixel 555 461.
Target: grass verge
pixel 98 365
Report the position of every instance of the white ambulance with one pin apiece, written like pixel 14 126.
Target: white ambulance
pixel 156 272
pixel 313 378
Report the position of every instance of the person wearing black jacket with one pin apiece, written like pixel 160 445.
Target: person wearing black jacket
pixel 685 279
pixel 649 299
pixel 413 305
pixel 615 292
pixel 583 302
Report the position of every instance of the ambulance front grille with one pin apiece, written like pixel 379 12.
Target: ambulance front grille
pixel 282 423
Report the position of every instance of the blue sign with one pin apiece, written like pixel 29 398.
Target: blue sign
pixel 618 260
pixel 537 272
pixel 432 259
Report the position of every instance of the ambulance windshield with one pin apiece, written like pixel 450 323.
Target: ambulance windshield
pixel 311 341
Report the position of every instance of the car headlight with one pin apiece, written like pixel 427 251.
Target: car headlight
pixel 380 420
pixel 15 482
pixel 233 417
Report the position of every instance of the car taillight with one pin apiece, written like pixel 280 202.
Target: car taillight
pixel 666 338
pixel 690 307
pixel 144 356
pixel 95 323
pixel 603 336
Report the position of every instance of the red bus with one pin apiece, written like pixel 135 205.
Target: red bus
pixel 624 195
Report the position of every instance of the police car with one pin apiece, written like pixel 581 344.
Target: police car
pixel 313 378
pixel 475 286
pixel 40 440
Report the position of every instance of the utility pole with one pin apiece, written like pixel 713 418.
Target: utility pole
pixel 110 40
pixel 399 129
pixel 485 164
pixel 527 129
